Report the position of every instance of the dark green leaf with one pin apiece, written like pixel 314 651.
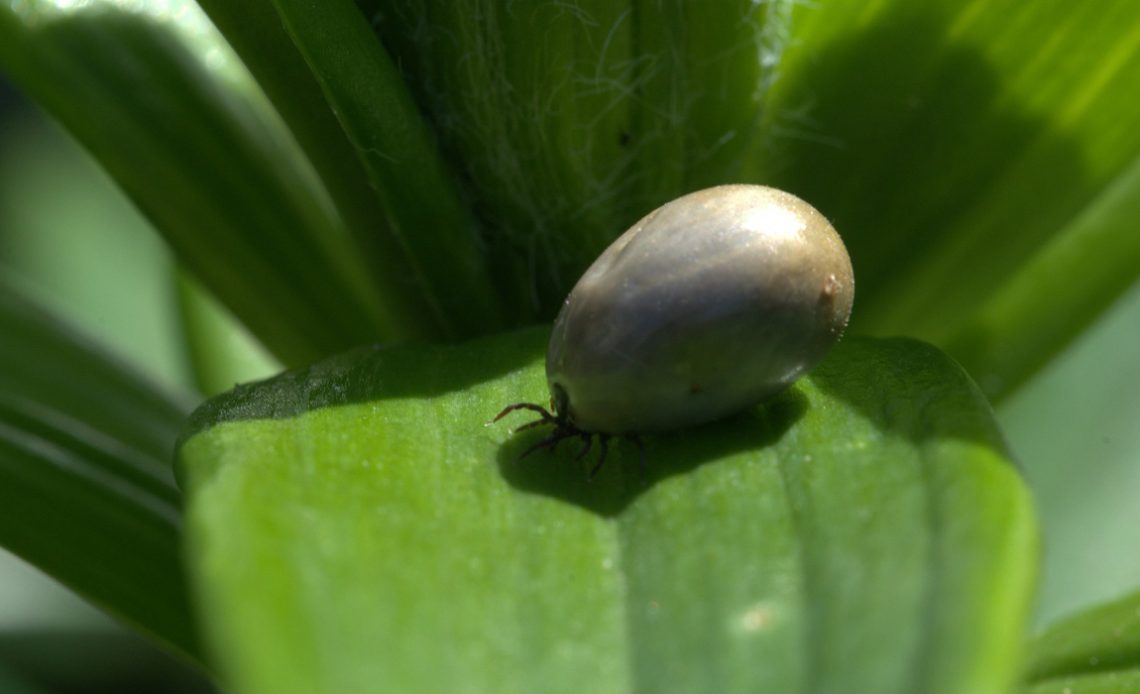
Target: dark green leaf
pixel 382 169
pixel 568 122
pixel 355 524
pixel 254 30
pixel 1124 682
pixel 210 166
pixel 12 682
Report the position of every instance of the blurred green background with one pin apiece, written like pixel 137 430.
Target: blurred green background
pixel 69 237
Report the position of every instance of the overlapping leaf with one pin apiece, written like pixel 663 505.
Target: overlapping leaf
pixel 86 491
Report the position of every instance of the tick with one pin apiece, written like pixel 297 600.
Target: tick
pixel 710 304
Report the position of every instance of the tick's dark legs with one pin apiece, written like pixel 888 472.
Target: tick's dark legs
pixel 535 423
pixel 551 441
pixel 604 444
pixel 544 415
pixel 563 429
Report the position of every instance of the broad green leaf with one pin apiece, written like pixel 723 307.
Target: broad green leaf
pixel 1058 292
pixel 355 526
pixel 1095 651
pixel 86 492
pixel 207 162
pixel 977 159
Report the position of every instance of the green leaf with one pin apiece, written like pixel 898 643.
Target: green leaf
pixel 355 525
pixel 255 32
pixel 207 162
pixel 977 159
pixel 373 151
pixel 1095 651
pixel 58 212
pixel 86 491
pixel 13 682
pixel 1102 683
pixel 424 212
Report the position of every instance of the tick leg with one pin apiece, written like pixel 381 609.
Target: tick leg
pixel 546 416
pixel 604 442
pixel 550 441
pixel 588 440
pixel 531 425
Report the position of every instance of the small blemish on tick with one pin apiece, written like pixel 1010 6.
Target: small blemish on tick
pixel 831 288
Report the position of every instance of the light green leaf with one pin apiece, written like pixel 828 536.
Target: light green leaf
pixel 86 491
pixel 1095 651
pixel 356 526
pixel 58 212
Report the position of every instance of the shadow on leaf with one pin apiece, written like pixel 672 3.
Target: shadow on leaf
pixel 561 474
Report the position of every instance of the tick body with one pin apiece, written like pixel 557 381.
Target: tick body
pixel 711 303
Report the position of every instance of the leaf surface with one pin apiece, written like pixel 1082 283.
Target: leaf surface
pixel 354 525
